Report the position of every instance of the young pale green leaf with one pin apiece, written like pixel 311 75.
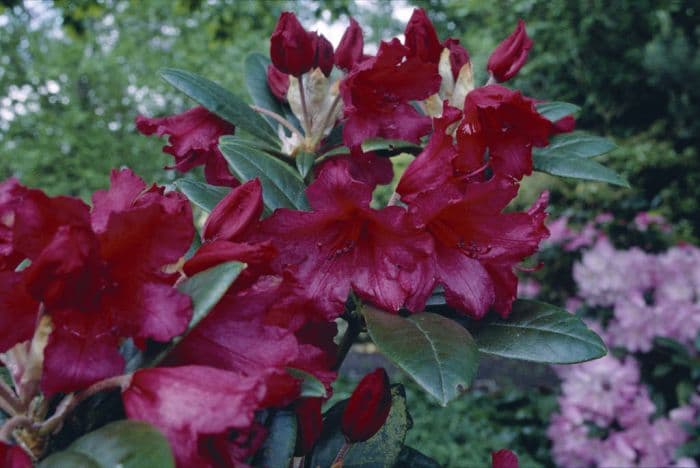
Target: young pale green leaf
pixel 439 354
pixel 381 450
pixel 577 168
pixel 203 195
pixel 310 385
pixel 377 144
pixel 126 444
pixel 554 111
pixel 576 145
pixel 539 332
pixel 220 101
pixel 304 161
pixel 278 449
pixel 207 287
pixel 256 82
pixel 282 186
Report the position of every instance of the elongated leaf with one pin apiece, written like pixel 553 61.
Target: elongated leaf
pixel 282 186
pixel 203 195
pixel 304 161
pixel 397 146
pixel 256 82
pixel 126 444
pixel 577 168
pixel 556 110
pixel 539 332
pixel 379 451
pixel 220 101
pixel 436 352
pixel 310 385
pixel 415 459
pixel 207 287
pixel 278 449
pixel 576 145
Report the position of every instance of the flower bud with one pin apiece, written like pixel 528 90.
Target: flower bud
pixel 236 213
pixel 368 407
pixel 349 51
pixel 504 458
pixel 323 53
pixel 278 82
pixel 291 47
pixel 421 38
pixel 510 55
pixel 309 423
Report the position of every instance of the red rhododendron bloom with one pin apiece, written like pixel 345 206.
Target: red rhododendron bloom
pixel 377 94
pixel 323 53
pixel 345 244
pixel 510 55
pixel 278 82
pixel 292 49
pixel 193 141
pixel 504 458
pixel 349 51
pixel 85 275
pixel 368 407
pixel 421 38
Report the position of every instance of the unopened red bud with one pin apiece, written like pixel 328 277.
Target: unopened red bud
pixel 510 55
pixel 368 407
pixel 421 38
pixel 323 53
pixel 349 51
pixel 309 423
pixel 504 458
pixel 233 215
pixel 278 82
pixel 291 47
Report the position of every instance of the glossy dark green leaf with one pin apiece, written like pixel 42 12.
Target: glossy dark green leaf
pixel 304 161
pixel 439 354
pixel 415 459
pixel 278 449
pixel 576 145
pixel 577 168
pixel 282 186
pixel 207 287
pixel 125 444
pixel 397 146
pixel 220 101
pixel 256 82
pixel 539 332
pixel 310 385
pixel 203 195
pixel 381 450
pixel 556 110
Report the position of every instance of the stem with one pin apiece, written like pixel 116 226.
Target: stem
pixel 302 94
pixel 338 461
pixel 330 114
pixel 11 424
pixel 8 400
pixel 351 334
pixel 69 403
pixel 279 119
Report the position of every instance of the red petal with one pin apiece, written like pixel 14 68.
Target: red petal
pixel 291 49
pixel 421 38
pixel 309 422
pixel 18 311
pixel 510 55
pixel 236 213
pixel 278 83
pixel 504 458
pixel 368 407
pixel 349 51
pixel 125 188
pixel 12 456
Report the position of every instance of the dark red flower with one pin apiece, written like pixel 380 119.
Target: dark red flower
pixel 309 424
pixel 377 93
pixel 323 53
pixel 193 141
pixel 368 407
pixel 345 244
pixel 504 458
pixel 349 51
pixel 367 167
pixel 291 47
pixel 278 82
pixel 12 456
pixel 18 311
pixel 421 38
pixel 510 55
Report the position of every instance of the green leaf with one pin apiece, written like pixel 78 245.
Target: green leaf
pixel 381 450
pixel 126 444
pixel 220 101
pixel 310 385
pixel 207 287
pixel 554 111
pixel 256 82
pixel 436 352
pixel 282 186
pixel 415 459
pixel 576 145
pixel 392 146
pixel 539 332
pixel 305 161
pixel 203 195
pixel 278 449
pixel 577 168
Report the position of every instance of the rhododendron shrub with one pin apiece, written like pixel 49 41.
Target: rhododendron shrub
pixel 219 343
